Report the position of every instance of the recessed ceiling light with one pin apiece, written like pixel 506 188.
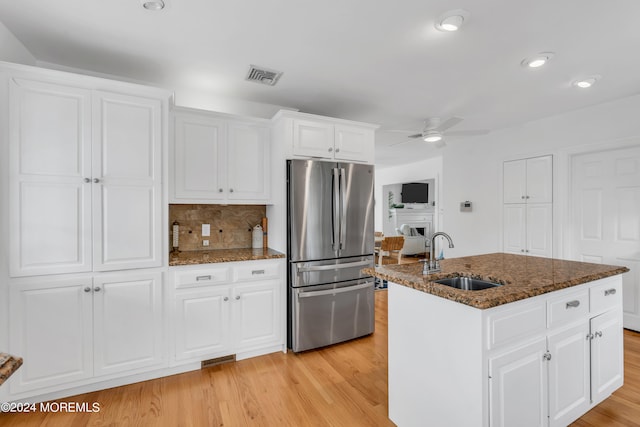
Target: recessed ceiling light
pixel 451 20
pixel 153 4
pixel 432 136
pixel 538 60
pixel 586 82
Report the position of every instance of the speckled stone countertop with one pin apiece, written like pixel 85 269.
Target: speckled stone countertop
pixel 521 276
pixel 221 255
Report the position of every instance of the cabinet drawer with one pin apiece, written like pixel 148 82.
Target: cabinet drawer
pixel 204 277
pixel 257 271
pixel 568 308
pixel 516 323
pixel 606 295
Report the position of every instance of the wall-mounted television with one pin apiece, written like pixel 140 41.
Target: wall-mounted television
pixel 415 192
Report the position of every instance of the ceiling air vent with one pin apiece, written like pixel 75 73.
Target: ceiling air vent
pixel 263 75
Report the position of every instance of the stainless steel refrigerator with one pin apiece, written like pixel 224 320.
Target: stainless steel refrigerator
pixel 330 240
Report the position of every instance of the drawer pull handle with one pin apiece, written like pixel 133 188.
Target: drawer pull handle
pixel 611 291
pixel 574 303
pixel 254 272
pixel 207 277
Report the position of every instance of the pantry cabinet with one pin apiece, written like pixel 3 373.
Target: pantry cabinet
pixel 84 178
pixel 69 329
pixel 219 158
pixel 311 136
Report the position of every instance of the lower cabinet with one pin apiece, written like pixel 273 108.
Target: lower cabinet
pixel 73 329
pixel 240 315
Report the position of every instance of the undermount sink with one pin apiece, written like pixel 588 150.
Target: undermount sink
pixel 467 283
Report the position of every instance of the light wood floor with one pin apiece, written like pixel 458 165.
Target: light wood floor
pixel 342 385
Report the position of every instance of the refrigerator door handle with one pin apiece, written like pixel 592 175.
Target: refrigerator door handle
pixel 364 263
pixel 335 210
pixel 343 210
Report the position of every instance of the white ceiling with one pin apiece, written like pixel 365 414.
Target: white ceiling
pixel 381 62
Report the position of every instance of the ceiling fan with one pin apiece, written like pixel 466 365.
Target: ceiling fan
pixel 435 130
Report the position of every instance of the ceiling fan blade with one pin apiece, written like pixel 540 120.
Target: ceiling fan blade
pixel 449 123
pixel 417 135
pixel 468 132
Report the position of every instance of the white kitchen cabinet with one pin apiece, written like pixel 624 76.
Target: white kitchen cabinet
pixel 78 328
pixel 528 207
pixel 219 158
pixel 528 180
pixel 229 308
pixel 85 178
pixel 607 358
pixel 312 136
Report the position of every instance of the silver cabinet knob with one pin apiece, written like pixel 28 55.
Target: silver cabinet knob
pixel 97 289
pixel 87 180
pixel 522 197
pixel 231 190
pixel 337 150
pixel 220 190
pixel 330 149
pixel 96 180
pixel 598 334
pixel 87 289
pixel 521 250
pixel 528 197
pixel 237 297
pixel 225 299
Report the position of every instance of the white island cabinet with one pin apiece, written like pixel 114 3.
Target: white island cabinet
pixel 540 361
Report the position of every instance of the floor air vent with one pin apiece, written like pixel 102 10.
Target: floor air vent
pixel 263 75
pixel 217 361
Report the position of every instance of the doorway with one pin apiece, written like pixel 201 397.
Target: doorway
pixel 605 217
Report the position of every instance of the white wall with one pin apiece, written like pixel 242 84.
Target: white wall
pixel 472 168
pixel 418 171
pixel 12 50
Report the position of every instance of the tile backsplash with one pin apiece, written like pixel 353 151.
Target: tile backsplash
pixel 230 225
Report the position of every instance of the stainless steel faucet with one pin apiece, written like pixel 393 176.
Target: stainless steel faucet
pixel 433 266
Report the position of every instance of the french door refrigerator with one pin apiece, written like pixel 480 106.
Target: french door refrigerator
pixel 330 240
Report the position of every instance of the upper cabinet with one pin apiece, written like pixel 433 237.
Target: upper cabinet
pixel 528 180
pixel 310 136
pixel 218 158
pixel 85 175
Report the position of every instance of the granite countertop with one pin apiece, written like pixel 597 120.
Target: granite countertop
pixel 522 277
pixel 221 255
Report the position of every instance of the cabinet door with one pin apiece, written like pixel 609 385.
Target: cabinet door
pixel 515 230
pixel 127 322
pixel 518 387
pixel 202 323
pixel 127 182
pixel 248 159
pixel 51 329
pixel 354 143
pixel 539 180
pixel 539 229
pixel 313 139
pixel 606 355
pixel 569 388
pixel 515 181
pixel 199 166
pixel 256 314
pixel 50 158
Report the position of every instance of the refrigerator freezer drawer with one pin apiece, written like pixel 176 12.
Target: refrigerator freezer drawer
pixel 312 273
pixel 325 315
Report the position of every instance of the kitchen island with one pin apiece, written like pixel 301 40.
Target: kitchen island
pixel 542 349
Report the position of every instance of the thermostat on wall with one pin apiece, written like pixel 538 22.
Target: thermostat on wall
pixel 465 206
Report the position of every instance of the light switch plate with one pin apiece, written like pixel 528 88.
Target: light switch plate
pixel 205 243
pixel 206 230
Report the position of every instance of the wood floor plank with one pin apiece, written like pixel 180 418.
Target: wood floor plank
pixel 341 385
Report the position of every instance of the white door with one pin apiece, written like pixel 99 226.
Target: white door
pixel 514 176
pixel 50 329
pixel 127 182
pixel 50 160
pixel 128 328
pixel 518 387
pixel 606 217
pixel 515 228
pixel 200 158
pixel 607 363
pixel 569 371
pixel 539 179
pixel 248 159
pixel 312 139
pixel 203 323
pixel 539 229
pixel 353 143
pixel 256 314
